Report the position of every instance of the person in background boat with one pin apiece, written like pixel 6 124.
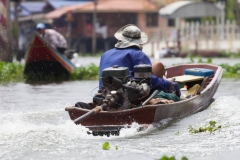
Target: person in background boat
pixel 52 37
pixel 128 53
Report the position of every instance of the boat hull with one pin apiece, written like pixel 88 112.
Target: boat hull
pixel 152 114
pixel 44 61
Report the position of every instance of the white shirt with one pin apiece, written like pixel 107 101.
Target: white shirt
pixel 55 39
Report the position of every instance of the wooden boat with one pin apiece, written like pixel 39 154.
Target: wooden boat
pixel 113 121
pixel 42 61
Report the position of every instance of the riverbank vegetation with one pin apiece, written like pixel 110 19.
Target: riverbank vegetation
pixel 229 71
pixel 89 72
pixel 13 72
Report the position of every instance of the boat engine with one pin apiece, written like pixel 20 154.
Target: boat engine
pixel 119 91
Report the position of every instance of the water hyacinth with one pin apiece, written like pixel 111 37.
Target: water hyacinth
pixel 172 158
pixel 211 128
pixel 231 71
pixel 14 72
pixel 106 146
pixel 89 72
pixel 11 72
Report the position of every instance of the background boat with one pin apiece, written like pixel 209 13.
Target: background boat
pixel 43 63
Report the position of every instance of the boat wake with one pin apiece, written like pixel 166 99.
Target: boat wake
pixel 136 129
pixel 41 133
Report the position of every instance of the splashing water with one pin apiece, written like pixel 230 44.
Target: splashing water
pixel 39 128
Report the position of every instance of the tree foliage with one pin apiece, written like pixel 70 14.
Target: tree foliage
pixel 230 8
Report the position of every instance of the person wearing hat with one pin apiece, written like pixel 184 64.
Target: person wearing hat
pixel 128 53
pixel 52 37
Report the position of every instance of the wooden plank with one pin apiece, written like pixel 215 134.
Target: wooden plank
pixel 187 78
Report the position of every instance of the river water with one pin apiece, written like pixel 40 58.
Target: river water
pixel 34 125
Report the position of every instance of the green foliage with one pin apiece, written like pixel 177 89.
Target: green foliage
pixel 106 146
pixel 14 72
pixel 167 158
pixel 172 158
pixel 11 72
pixel 230 54
pixel 14 30
pixel 230 9
pixel 184 158
pixel 89 72
pixel 228 71
pixel 200 60
pixel 231 71
pixel 211 128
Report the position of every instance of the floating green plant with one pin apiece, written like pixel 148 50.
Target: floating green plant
pixel 177 133
pixel 211 128
pixel 106 146
pixel 172 158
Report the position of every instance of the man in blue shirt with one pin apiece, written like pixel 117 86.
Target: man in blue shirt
pixel 128 53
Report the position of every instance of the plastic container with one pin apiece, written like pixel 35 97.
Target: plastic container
pixel 183 92
pixel 199 72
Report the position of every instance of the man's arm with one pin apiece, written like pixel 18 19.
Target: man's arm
pixel 160 84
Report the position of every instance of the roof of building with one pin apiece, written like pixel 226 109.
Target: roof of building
pixel 27 9
pixel 31 10
pixel 107 6
pixel 121 5
pixel 189 9
pixel 61 3
pixel 33 7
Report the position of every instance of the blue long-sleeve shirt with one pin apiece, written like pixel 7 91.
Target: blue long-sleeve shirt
pixel 129 57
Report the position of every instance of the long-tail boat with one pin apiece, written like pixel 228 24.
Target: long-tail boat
pixel 43 63
pixel 110 122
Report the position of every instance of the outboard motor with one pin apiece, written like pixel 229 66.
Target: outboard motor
pixel 141 81
pixel 121 92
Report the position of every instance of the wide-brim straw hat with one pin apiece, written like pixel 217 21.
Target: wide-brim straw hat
pixel 130 35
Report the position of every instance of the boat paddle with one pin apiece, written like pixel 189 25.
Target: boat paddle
pixel 94 111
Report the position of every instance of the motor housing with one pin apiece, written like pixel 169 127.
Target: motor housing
pixel 119 91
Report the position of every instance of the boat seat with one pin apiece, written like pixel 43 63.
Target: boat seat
pixel 187 78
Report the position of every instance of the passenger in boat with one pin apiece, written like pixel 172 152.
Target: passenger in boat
pixel 52 37
pixel 128 53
